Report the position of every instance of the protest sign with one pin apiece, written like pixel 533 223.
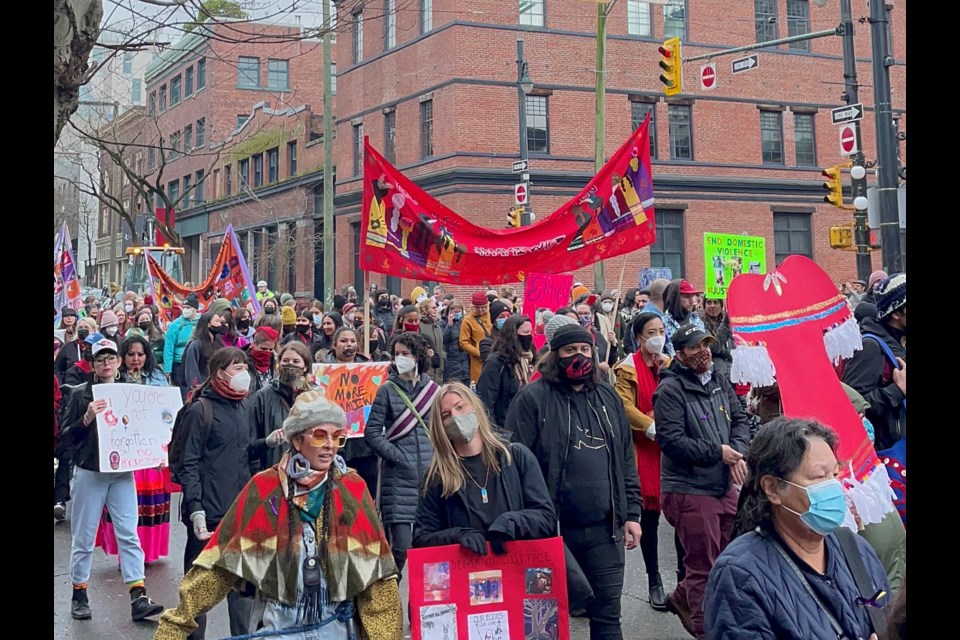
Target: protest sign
pixel 458 595
pixel 546 291
pixel 353 387
pixel 647 276
pixel 726 256
pixel 135 429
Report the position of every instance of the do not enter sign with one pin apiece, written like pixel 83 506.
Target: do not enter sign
pixel 520 192
pixel 848 140
pixel 708 76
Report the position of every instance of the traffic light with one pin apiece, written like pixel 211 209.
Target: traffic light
pixel 841 237
pixel 514 217
pixel 834 186
pixel 672 76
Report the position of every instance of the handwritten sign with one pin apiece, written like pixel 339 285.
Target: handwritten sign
pixel 353 387
pixel 546 291
pixel 647 276
pixel 135 429
pixel 726 256
pixel 455 593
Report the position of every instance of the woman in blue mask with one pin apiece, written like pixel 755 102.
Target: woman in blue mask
pixel 790 575
pixel 499 312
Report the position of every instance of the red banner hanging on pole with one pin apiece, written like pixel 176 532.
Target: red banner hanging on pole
pixel 163 218
pixel 409 234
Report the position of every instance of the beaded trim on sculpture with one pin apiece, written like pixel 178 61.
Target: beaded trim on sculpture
pixel 789 322
pixel 787 314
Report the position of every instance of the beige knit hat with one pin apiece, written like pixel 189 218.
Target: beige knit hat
pixel 312 409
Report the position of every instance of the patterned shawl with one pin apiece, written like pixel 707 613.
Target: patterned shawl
pixel 259 538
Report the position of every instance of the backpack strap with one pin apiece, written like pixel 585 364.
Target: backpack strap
pixel 887 351
pixel 868 594
pixel 207 407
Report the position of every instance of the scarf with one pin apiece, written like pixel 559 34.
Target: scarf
pixel 647 451
pixel 524 368
pixel 260 537
pixel 83 365
pixel 223 389
pixel 261 360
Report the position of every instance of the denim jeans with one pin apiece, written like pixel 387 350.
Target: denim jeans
pixel 239 607
pixel 91 491
pixel 602 560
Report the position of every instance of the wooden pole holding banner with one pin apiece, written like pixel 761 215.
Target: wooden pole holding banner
pixel 366 314
pixel 616 300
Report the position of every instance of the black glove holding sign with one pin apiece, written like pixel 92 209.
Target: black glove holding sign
pixel 474 540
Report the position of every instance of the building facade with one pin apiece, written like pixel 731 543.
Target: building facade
pixel 433 84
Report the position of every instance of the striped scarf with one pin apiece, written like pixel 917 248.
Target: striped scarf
pixel 408 419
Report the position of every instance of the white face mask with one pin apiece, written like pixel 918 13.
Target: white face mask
pixel 240 382
pixel 462 428
pixel 128 307
pixel 655 344
pixel 607 306
pixel 189 313
pixel 405 364
pixel 110 331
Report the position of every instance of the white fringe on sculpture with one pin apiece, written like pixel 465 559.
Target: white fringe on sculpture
pixel 843 340
pixel 752 365
pixel 873 497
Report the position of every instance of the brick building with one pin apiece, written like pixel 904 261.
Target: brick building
pixel 433 85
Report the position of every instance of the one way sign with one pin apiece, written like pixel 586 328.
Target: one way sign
pixel 847 114
pixel 746 64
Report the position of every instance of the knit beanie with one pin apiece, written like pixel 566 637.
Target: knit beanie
pixel 312 409
pixel 569 334
pixel 192 301
pixel 285 298
pixel 479 299
pixel 220 305
pixel 496 308
pixel 876 277
pixel 578 291
pixel 108 319
pixel 288 316
pixel 555 323
pixel 890 295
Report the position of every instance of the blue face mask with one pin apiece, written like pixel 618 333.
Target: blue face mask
pixel 828 506
pixel 458 316
pixel 317 319
pixel 500 322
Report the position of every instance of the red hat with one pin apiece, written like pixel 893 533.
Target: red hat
pixel 270 332
pixel 479 299
pixel 687 288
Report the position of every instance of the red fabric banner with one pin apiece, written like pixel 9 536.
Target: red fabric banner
pixel 458 595
pixel 409 234
pixel 158 236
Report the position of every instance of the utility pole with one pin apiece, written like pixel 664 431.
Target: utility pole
pixel 861 231
pixel 524 87
pixel 328 231
pixel 114 271
pixel 599 125
pixel 887 168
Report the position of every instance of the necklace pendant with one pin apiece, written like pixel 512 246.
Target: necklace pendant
pixel 483 495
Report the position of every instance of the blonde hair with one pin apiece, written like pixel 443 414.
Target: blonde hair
pixel 446 467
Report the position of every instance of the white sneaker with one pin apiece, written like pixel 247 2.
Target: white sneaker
pixel 59 512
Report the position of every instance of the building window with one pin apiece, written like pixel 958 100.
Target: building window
pixel 638 113
pixel 174 145
pixel 803 135
pixel 357 269
pixel 798 23
pixel 357 148
pixel 258 170
pixel 198 189
pixel 188 82
pixel 278 75
pixel 668 250
pixel 390 137
pixel 162 98
pixel 241 119
pixel 273 165
pixel 426 129
pixel 675 19
pixel 201 125
pixel 792 235
pixel 248 73
pixel 175 91
pixel 538 125
pixel 127 63
pixel 151 157
pixel 152 104
pixel 136 91
pixel 358 38
pixel 426 16
pixel 638 18
pixel 201 73
pixel 389 24
pixel 187 138
pixel 531 13
pixel 173 191
pixel 185 204
pixel 771 137
pixel 228 180
pixel 333 78
pixel 243 174
pixel 292 158
pixel 765 19
pixel 681 132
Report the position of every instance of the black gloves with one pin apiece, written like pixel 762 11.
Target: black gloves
pixel 498 542
pixel 473 540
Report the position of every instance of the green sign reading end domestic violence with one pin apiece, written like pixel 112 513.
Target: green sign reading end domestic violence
pixel 727 256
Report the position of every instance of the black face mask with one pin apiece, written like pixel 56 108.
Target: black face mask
pixel 82 334
pixel 358 322
pixel 577 368
pixel 145 326
pixel 243 325
pixel 384 304
pixel 526 342
pixel 269 310
pixel 218 331
pixel 303 328
pixel 290 375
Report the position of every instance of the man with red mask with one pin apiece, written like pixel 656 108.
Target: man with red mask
pixel 260 357
pixel 703 435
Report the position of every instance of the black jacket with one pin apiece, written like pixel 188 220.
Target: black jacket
pixel 539 418
pixel 75 375
pixel 497 387
pixel 83 441
pixel 722 349
pixel 458 362
pixel 258 380
pixel 864 372
pixel 405 462
pixel 693 421
pixel 268 409
pixel 215 469
pixel 530 513
pixel 313 341
pixel 486 348
pixel 68 355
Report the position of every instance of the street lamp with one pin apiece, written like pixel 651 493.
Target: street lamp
pixel 524 87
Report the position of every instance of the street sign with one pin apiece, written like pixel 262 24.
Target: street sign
pixel 848 140
pixel 847 114
pixel 746 64
pixel 521 166
pixel 708 76
pixel 520 193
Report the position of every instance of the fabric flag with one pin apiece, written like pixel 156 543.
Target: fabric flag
pixel 66 283
pixel 409 234
pixel 229 279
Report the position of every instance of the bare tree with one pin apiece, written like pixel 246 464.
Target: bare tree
pixel 76 27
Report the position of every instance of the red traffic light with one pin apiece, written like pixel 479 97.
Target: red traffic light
pixel 666 53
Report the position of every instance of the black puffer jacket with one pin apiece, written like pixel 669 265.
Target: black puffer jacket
pixel 268 409
pixel 458 362
pixel 218 466
pixel 497 387
pixel 405 461
pixel 865 373
pixel 68 355
pixel 693 422
pixel 539 418
pixel 529 516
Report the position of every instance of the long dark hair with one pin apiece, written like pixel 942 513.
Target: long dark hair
pixel 777 450
pixel 342 330
pixel 507 343
pixel 325 341
pixel 417 344
pixel 672 304
pixel 149 363
pixel 227 316
pixel 201 333
pixel 550 369
pixel 630 299
pixel 712 324
pixel 153 333
pixel 398 321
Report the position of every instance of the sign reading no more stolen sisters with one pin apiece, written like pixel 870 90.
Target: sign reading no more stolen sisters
pixel 135 429
pixel 726 256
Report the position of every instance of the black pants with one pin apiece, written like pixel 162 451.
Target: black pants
pixel 649 527
pixel 366 468
pixel 239 608
pixel 602 560
pixel 400 537
pixel 61 479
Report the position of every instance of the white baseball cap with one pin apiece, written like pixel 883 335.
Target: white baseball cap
pixel 103 345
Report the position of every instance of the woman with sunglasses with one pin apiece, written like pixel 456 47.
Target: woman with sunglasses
pixel 331 556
